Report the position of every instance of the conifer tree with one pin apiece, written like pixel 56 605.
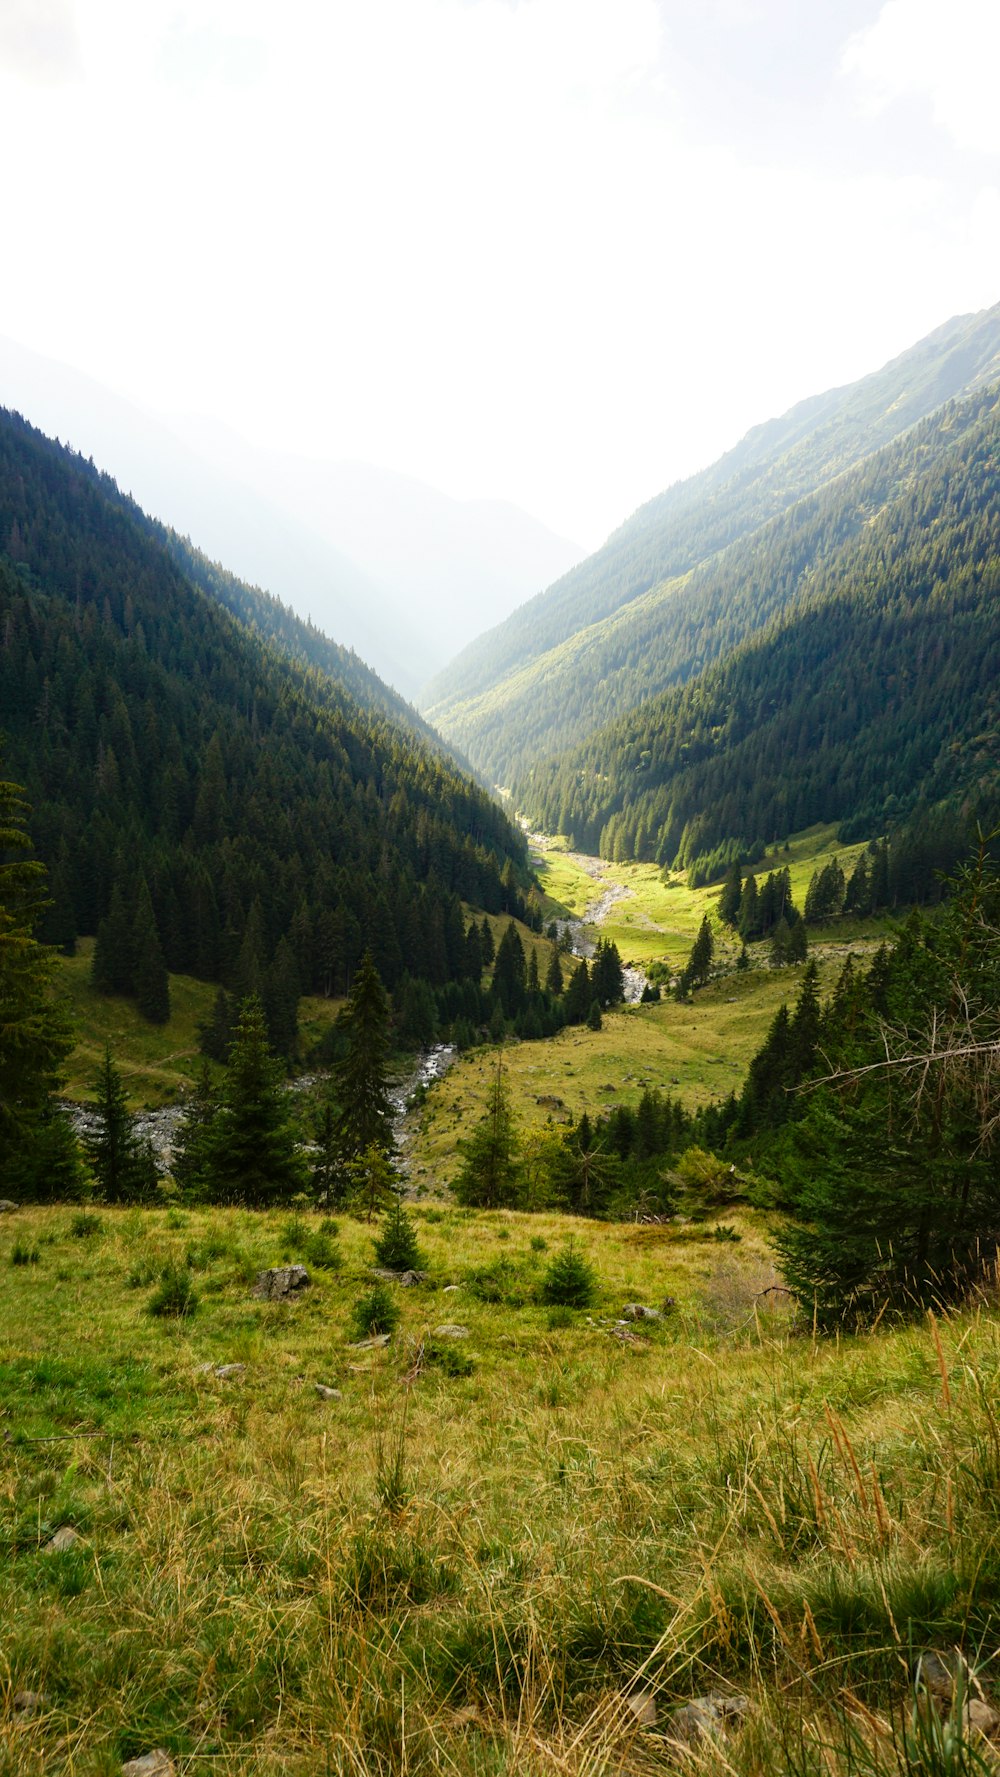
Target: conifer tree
pixel 254 1156
pixel 486 941
pixel 360 1074
pixel 34 1040
pixel 730 895
pixel 578 994
pixel 149 971
pixel 111 966
pixel 122 1162
pixel 488 1177
pixel 192 1155
pixel 594 1019
pixel 554 974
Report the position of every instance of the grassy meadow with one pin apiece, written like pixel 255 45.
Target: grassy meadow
pixel 468 1562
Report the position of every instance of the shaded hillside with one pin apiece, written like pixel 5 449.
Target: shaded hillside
pixel 627 623
pixel 163 742
pixel 877 687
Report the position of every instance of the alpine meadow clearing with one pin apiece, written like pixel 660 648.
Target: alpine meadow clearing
pixel 516 1548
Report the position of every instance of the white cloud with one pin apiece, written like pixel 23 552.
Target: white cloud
pixel 948 55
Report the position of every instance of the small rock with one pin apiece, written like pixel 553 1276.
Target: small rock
pixel 451 1332
pixel 29 1702
pixel 939 1674
pixel 406 1279
pixel 65 1538
pixel 373 1344
pixel 451 1289
pixel 981 1718
pixel 642 1705
pixel 226 1371
pixel 327 1394
pixel 639 1311
pixel 6 1205
pixel 280 1282
pixel 157 1763
pixel 623 1333
pixel 705 1718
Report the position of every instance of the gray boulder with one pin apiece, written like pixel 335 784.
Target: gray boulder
pixel 639 1311
pixel 65 1538
pixel 327 1394
pixel 280 1283
pixel 706 1718
pixel 450 1332
pixel 157 1763
pixel 6 1206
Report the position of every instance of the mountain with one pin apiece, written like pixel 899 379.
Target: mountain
pixel 175 759
pixel 667 593
pixel 869 684
pixel 392 568
pixel 453 565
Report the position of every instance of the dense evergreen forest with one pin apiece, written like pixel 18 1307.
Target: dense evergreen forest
pixel 873 693
pixel 665 595
pixel 185 776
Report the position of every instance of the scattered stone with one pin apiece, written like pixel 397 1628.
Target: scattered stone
pixel 375 1343
pixel 451 1332
pixel 406 1279
pixel 29 1702
pixel 639 1311
pixel 939 1674
pixel 706 1718
pixel 981 1718
pixel 327 1394
pixel 226 1372
pixel 157 1763
pixel 642 1705
pixel 623 1333
pixel 6 1206
pixel 451 1289
pixel 280 1282
pixel 65 1538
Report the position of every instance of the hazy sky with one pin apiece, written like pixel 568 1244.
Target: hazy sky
pixel 556 251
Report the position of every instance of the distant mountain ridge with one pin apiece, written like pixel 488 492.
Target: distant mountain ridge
pixel 368 556
pixel 868 689
pixel 648 609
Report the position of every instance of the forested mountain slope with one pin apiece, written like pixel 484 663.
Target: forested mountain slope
pixel 652 606
pixel 877 686
pixel 165 745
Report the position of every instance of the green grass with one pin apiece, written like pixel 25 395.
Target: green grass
pixel 657 921
pixel 157 1062
pixel 461 1568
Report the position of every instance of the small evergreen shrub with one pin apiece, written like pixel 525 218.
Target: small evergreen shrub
pixel 85 1226
pixel 176 1296
pixel 569 1281
pixel 375 1312
pixel 724 1231
pixel 538 1243
pixel 396 1248
pixel 447 1355
pixel 21 1254
pixel 500 1281
pixel 329 1225
pixel 320 1251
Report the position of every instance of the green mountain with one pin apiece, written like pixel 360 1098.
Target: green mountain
pixel 281 808
pixel 872 687
pixel 702 566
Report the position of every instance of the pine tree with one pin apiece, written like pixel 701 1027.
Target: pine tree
pixel 486 942
pixel 192 1155
pixel 253 1155
pixel 359 1075
pixel 397 1247
pixel 122 1162
pixel 730 895
pixel 578 994
pixel 488 1178
pixel 149 971
pixel 111 965
pixel 594 1019
pixel 510 972
pixel 34 1040
pixel 215 1037
pixel 554 974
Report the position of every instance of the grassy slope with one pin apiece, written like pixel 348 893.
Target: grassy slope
pixel 697 1052
pixel 157 1062
pixel 723 1503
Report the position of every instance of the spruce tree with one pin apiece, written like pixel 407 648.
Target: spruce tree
pixel 122 1162
pixel 149 971
pixel 192 1155
pixel 554 974
pixel 360 1074
pixel 34 1040
pixel 111 965
pixel 730 896
pixel 253 1155
pixel 488 1178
